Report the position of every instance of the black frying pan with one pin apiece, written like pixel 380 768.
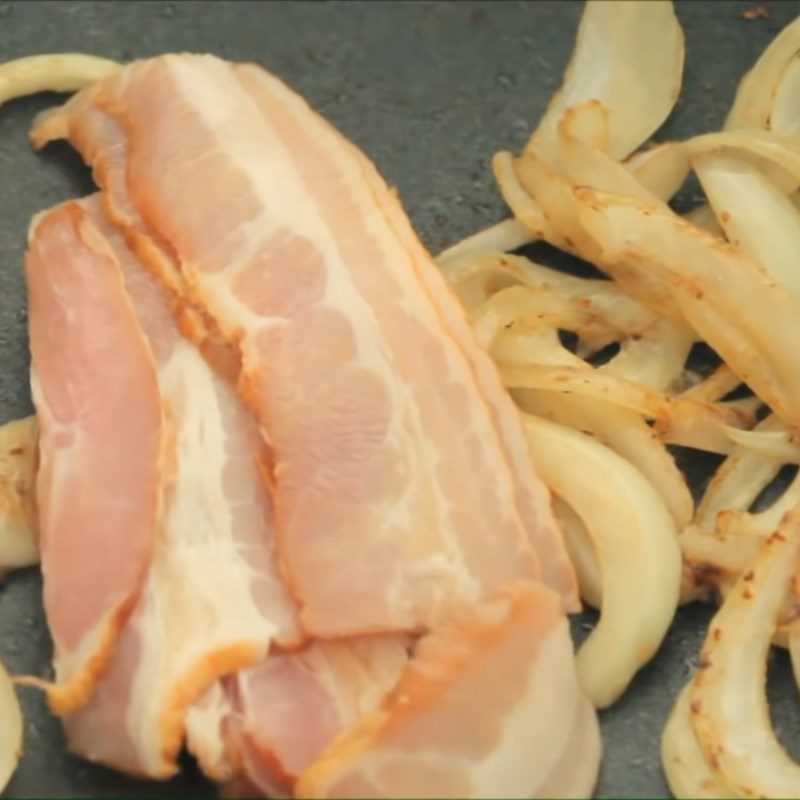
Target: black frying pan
pixel 430 91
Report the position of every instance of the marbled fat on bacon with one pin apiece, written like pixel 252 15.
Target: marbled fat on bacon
pixel 212 600
pixel 101 447
pixel 402 485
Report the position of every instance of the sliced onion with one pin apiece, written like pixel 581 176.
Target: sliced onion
pixel 776 444
pixel 688 773
pixel 509 234
pixel 754 96
pixel 776 154
pixel 582 164
pixel 754 213
pixel 51 72
pixel 720 382
pixel 656 357
pixel 738 480
pixel 724 553
pixel 10 729
pixel 729 300
pixel 784 113
pixel 729 703
pixel 581 552
pixel 544 306
pixel 525 209
pixel 629 57
pixel 662 169
pixel 637 548
pixel 18 542
pixel 625 432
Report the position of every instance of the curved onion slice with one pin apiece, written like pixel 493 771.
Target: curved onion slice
pixel 656 357
pixel 18 544
pixel 539 307
pixel 509 234
pixel 784 113
pixel 629 57
pixel 731 715
pixel 738 480
pixel 754 213
pixel 551 194
pixel 723 553
pixel 753 102
pixel 581 164
pixel 720 382
pixel 688 773
pixel 637 549
pixel 525 209
pixel 703 217
pixel 581 552
pixel 662 169
pixel 51 72
pixel 625 432
pixel 776 154
pixel 728 299
pixel 10 729
pixel 776 444
pixel 555 375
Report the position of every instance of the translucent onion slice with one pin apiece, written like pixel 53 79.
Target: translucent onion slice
pixel 724 553
pixel 729 703
pixel 752 105
pixel 662 169
pixel 18 542
pixel 538 307
pixel 754 213
pixel 784 113
pixel 625 432
pixel 776 154
pixel 776 444
pixel 582 379
pixel 509 234
pixel 688 773
pixel 719 383
pixel 636 543
pixel 10 729
pixel 656 357
pixel 51 72
pixel 581 552
pixel 738 480
pixel 629 57
pixel 525 209
pixel 728 299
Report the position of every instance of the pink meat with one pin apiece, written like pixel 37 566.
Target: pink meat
pixel 94 384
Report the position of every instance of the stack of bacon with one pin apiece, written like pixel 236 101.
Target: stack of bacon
pixel 288 514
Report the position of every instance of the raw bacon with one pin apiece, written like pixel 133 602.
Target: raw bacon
pixel 326 467
pixel 94 383
pixel 213 599
pixel 390 433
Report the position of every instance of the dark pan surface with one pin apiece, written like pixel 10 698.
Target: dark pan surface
pixel 430 91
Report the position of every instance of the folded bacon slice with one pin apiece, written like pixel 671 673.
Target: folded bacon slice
pixel 212 600
pixel 94 382
pixel 489 706
pixel 402 485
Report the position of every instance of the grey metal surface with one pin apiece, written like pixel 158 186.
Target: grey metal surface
pixel 430 91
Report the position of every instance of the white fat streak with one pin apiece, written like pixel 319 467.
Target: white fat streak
pixel 197 598
pixel 204 740
pixel 414 300
pixel 265 159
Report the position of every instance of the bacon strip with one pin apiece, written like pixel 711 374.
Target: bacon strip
pixel 94 382
pixel 213 600
pixel 391 435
